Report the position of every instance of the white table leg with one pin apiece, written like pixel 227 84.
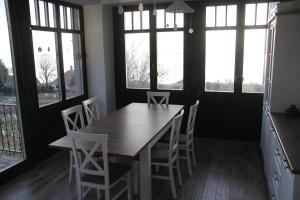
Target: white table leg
pixel 145 173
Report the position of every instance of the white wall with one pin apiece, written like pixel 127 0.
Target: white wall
pixel 100 55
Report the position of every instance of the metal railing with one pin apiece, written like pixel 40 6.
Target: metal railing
pixel 11 142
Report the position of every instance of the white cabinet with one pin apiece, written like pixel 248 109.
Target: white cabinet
pixel 281 182
pixel 282 89
pixel 282 58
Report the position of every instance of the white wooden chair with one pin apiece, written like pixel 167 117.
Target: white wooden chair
pixel 93 174
pixel 186 141
pixel 152 96
pixel 167 156
pixel 91 109
pixel 73 120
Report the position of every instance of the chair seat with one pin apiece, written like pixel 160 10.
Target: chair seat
pixel 167 139
pixel 160 153
pixel 116 171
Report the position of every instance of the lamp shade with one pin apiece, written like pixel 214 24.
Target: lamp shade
pixel 179 6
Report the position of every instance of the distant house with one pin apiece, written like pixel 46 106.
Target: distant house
pixel 69 80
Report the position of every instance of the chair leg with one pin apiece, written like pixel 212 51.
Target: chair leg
pixel 98 194
pixel 107 193
pixel 188 159
pixel 135 177
pixel 129 188
pixel 71 167
pixel 178 172
pixel 193 154
pixel 172 181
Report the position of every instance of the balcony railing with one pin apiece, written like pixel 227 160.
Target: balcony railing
pixel 10 133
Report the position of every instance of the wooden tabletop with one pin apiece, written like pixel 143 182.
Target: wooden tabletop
pixel 129 129
pixel 288 132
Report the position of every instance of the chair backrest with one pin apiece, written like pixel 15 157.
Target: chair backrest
pixel 163 95
pixel 174 136
pixel 88 145
pixel 191 122
pixel 91 109
pixel 73 118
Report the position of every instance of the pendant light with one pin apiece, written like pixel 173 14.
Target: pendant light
pixel 120 9
pixel 154 8
pixel 141 6
pixel 179 6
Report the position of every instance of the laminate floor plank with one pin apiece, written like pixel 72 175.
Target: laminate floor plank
pixel 226 170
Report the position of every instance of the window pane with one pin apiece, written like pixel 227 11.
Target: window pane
pixel 42 13
pixel 46 68
pixel 179 20
pixel 221 15
pixel 231 15
pixel 261 18
pixel 72 59
pixel 137 59
pixel 170 60
pixel 220 60
pixel 136 20
pixel 62 16
pixel 250 14
pixel 169 20
pixel 254 51
pixel 69 18
pixel 51 15
pixel 146 19
pixel 210 16
pixel 160 19
pixel 32 12
pixel 76 19
pixel 127 21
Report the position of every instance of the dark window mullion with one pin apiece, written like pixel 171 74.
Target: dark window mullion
pixel 239 48
pixel 73 19
pixel 60 54
pixel 153 53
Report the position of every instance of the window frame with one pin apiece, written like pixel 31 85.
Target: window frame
pixel 240 29
pixel 153 47
pixel 59 51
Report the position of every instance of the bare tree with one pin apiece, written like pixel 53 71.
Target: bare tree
pixel 3 72
pixel 138 68
pixel 47 69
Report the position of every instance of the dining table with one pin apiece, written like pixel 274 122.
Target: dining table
pixel 132 131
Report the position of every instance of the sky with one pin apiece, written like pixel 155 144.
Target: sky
pixel 5 53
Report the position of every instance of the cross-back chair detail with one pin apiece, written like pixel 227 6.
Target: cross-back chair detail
pixel 191 121
pixel 91 109
pixel 187 140
pixel 172 155
pixel 73 117
pixel 72 124
pixel 92 173
pixel 163 95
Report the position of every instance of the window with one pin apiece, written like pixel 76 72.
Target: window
pixel 46 67
pixel 57 78
pixel 220 48
pixel 137 56
pixel 164 69
pixel 225 66
pixel 137 50
pixel 71 47
pixel 254 47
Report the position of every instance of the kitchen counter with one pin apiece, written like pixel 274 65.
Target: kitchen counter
pixel 288 132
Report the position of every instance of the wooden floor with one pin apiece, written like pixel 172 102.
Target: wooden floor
pixel 225 170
